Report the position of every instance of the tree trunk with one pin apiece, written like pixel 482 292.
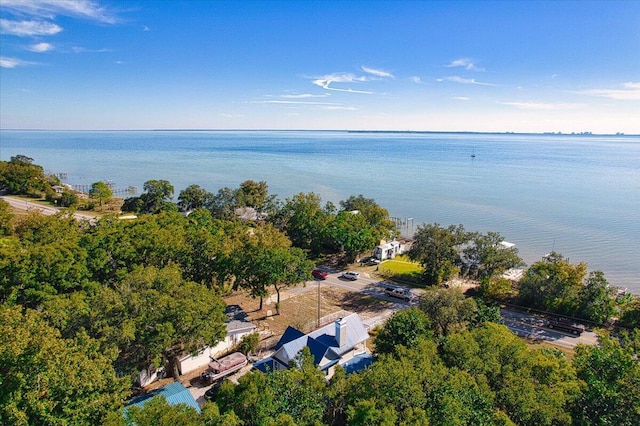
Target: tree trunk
pixel 260 304
pixel 173 367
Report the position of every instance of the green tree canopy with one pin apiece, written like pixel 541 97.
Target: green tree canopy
pixel 487 256
pixel 553 284
pixel 152 315
pixel 101 191
pixel 305 221
pixel 611 393
pixel 193 197
pixel 404 328
pixel 448 310
pixel 20 176
pixel 377 217
pixel 350 233
pixel 49 380
pixel 436 248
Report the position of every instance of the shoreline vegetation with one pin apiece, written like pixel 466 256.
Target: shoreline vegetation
pixel 86 306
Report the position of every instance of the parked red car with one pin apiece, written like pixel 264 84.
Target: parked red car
pixel 321 275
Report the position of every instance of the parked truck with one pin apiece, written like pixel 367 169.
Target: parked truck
pixel 564 325
pixel 398 292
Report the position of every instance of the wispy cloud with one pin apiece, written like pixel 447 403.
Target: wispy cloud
pixel 327 81
pixel 79 49
pixel 230 115
pixel 415 79
pixel 49 9
pixel 377 72
pixel 304 96
pixel 543 105
pixel 457 79
pixel 316 105
pixel 28 28
pixel 466 63
pixel 629 91
pixel 14 62
pixel 40 47
pixel 461 98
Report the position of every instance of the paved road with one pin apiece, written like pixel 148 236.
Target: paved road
pixel 533 327
pixel 22 204
pixel 522 324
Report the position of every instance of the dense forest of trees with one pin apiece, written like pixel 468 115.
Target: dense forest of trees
pixel 84 307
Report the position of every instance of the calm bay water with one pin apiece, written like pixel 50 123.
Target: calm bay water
pixel 578 195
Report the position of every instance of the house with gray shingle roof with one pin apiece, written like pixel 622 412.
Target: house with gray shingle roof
pixel 334 344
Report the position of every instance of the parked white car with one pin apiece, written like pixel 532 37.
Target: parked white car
pixel 350 275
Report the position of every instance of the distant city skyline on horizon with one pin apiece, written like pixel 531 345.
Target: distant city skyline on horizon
pixel 407 66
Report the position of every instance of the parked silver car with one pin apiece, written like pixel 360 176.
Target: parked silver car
pixel 350 275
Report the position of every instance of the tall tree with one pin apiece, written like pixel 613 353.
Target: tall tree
pixel 436 248
pixel 448 310
pixel 156 197
pixel 193 197
pixel 611 393
pixel 252 194
pixel 305 220
pixel 351 234
pixel 43 260
pixel 553 284
pixel 49 380
pixel 101 191
pixel 20 176
pixel 489 257
pixel 152 315
pixel 597 299
pixel 404 328
pixel 377 217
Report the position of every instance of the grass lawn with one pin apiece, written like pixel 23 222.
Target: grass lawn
pixel 401 269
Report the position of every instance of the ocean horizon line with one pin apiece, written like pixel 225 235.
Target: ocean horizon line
pixel 436 132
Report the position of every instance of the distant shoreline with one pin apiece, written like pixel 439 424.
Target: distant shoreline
pixel 427 132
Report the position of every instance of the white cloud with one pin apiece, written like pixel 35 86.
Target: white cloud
pixel 228 115
pixel 457 79
pixel 630 91
pixel 13 62
pixel 415 79
pixel 461 98
pixel 376 72
pixel 466 63
pixel 539 106
pixel 40 47
pixel 28 28
pixel 326 82
pixel 78 49
pixel 49 9
pixel 331 106
pixel 304 96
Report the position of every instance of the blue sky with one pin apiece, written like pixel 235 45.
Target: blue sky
pixel 405 65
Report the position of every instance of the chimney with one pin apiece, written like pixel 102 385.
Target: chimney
pixel 341 332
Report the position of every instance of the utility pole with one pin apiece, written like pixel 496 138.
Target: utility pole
pixel 318 304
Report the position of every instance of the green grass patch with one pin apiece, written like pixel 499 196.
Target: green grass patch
pixel 401 269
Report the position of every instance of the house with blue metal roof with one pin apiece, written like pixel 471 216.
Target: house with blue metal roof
pixel 334 344
pixel 175 393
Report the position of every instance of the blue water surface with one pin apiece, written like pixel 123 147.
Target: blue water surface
pixel 575 194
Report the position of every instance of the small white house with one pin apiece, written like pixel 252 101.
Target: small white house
pixel 389 250
pixel 237 328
